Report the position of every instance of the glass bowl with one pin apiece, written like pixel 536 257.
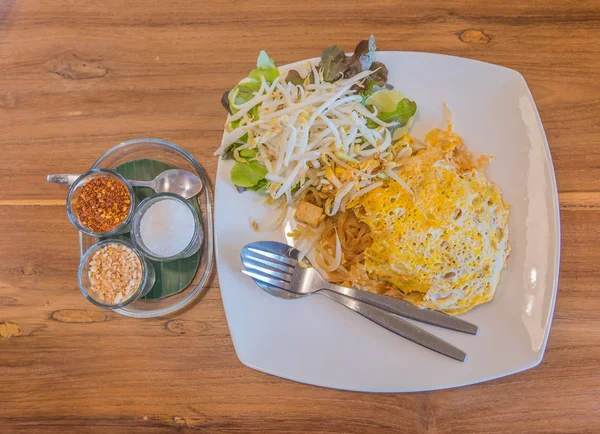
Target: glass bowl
pixel 75 191
pixel 178 157
pixel 148 276
pixel 138 241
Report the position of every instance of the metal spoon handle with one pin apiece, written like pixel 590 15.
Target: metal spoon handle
pixel 398 326
pixel 149 184
pixel 68 179
pixel 62 178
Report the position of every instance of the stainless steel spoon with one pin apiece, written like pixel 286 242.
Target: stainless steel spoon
pixel 177 181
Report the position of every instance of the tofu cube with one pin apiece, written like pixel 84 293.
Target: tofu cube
pixel 309 214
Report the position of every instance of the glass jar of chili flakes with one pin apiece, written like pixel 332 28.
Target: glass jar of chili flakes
pixel 101 203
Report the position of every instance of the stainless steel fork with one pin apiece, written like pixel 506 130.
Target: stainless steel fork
pixel 274 264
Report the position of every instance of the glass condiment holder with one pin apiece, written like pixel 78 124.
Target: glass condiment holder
pixel 136 237
pixel 179 158
pixel 146 283
pixel 75 191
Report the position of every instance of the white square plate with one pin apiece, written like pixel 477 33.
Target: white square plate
pixel 313 340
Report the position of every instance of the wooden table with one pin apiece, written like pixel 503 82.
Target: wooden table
pixel 79 76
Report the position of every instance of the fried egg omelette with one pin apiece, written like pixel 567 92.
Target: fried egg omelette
pixel 441 243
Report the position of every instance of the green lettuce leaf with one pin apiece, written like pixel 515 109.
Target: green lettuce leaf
pixel 244 155
pixel 244 92
pixel 369 87
pixel 248 153
pixel 245 89
pixel 405 110
pixel 402 117
pixel 228 154
pixel 248 174
pixel 260 187
pixel 392 106
pixel 374 83
pixel 265 67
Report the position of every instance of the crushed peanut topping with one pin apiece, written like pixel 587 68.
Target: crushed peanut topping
pixel 115 273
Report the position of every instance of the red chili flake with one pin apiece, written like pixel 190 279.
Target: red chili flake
pixel 103 204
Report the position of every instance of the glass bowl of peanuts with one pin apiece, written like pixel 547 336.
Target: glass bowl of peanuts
pixel 112 274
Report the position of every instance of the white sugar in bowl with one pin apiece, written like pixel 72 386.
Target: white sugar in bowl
pixel 166 227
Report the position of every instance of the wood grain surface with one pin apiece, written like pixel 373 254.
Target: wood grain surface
pixel 79 76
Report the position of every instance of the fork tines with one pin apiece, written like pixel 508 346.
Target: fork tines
pixel 266 279
pixel 270 268
pixel 275 256
pixel 271 263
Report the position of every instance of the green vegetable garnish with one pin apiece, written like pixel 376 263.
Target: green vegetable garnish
pixel 375 82
pixel 405 110
pixel 248 174
pixel 295 78
pixel 261 187
pixel 333 62
pixel 392 107
pixel 247 88
pixel 248 153
pixel 244 155
pixel 336 64
pixel 265 67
